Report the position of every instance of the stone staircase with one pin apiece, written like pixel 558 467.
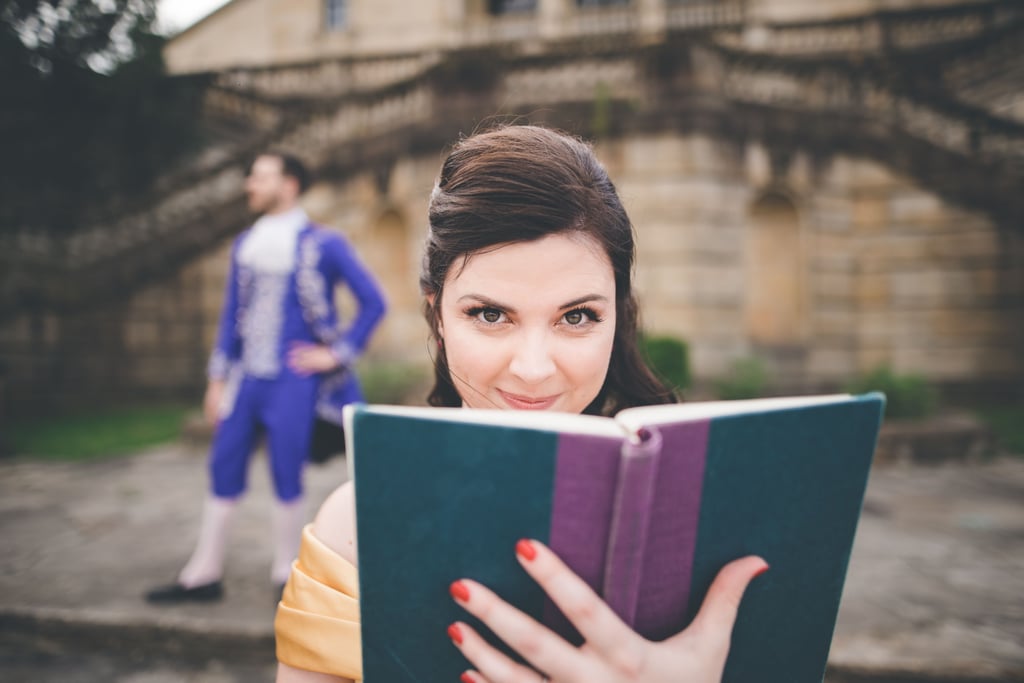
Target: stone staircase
pixel 846 87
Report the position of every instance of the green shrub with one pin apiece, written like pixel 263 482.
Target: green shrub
pixel 393 383
pixel 906 395
pixel 747 378
pixel 669 357
pixel 601 119
pixel 1007 423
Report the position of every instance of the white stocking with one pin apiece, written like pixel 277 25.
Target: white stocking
pixel 207 562
pixel 289 518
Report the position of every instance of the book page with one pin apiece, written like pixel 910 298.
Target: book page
pixel 524 419
pixel 626 423
pixel 632 419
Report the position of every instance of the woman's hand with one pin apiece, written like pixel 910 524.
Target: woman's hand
pixel 309 359
pixel 612 652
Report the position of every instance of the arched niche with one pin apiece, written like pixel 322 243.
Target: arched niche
pixel 775 302
pixel 389 246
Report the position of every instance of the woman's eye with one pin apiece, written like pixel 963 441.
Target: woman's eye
pixel 490 316
pixel 580 317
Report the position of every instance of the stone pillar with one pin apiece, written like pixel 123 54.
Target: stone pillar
pixel 652 19
pixel 553 16
pixel 454 16
pixel 796 11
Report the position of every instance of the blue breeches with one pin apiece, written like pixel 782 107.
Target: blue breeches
pixel 282 409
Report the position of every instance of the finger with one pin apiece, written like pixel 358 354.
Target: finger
pixel 494 666
pixel 717 615
pixel 538 644
pixel 602 629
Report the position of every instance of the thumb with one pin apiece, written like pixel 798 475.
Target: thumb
pixel 718 613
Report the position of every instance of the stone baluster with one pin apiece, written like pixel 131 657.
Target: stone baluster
pixel 554 18
pixel 653 22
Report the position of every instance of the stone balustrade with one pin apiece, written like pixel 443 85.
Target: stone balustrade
pixel 684 17
pixel 578 81
pixel 510 28
pixel 326 78
pixel 235 106
pixel 990 76
pixel 873 34
pixel 326 129
pixel 952 128
pixel 600 21
pixel 591 22
pixel 317 137
pixel 184 206
pixel 98 242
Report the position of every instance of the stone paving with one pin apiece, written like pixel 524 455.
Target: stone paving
pixel 935 590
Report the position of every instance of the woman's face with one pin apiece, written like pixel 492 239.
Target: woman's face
pixel 530 325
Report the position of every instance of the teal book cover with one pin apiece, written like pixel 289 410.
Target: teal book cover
pixel 646 508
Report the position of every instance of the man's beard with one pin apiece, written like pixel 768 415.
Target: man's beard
pixel 261 205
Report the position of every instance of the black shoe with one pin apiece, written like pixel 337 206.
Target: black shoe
pixel 176 593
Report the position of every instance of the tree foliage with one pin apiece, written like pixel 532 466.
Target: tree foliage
pixel 90 117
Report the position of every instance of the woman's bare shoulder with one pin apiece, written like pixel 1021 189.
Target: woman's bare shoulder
pixel 335 522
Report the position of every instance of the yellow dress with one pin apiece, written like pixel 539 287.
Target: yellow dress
pixel 317 622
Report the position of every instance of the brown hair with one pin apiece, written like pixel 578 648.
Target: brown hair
pixel 291 167
pixel 522 183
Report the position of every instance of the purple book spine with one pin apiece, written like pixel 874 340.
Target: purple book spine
pixel 631 513
pixel 585 480
pixel 672 530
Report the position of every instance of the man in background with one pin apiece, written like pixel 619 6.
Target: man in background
pixel 281 359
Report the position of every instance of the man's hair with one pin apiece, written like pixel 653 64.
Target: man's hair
pixel 292 167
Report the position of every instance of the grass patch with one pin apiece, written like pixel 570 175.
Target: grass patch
pixel 88 435
pixel 1007 423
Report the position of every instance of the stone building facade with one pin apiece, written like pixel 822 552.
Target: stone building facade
pixel 825 190
pixel 267 33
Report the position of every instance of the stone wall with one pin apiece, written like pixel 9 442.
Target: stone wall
pixel 147 345
pixel 275 32
pixel 278 32
pixel 876 269
pixel 940 290
pixel 863 266
pixel 885 272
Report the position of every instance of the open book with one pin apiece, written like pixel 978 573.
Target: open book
pixel 645 507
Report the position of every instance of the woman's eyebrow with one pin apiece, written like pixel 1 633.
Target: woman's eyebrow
pixel 486 301
pixel 586 299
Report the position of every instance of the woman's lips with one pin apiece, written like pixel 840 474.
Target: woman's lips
pixel 528 402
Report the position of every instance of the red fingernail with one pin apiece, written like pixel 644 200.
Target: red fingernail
pixel 455 633
pixel 459 591
pixel 762 570
pixel 525 550
pixel 466 678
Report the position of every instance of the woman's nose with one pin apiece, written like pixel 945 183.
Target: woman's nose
pixel 532 360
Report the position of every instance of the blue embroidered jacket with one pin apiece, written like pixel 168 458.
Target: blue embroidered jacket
pixel 253 338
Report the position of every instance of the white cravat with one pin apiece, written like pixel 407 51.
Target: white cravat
pixel 269 253
pixel 270 245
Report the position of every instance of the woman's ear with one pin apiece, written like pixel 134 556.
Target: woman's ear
pixel 431 300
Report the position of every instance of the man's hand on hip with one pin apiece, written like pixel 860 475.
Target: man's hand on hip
pixel 308 359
